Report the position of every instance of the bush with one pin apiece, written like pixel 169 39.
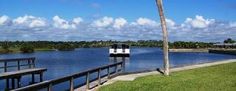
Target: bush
pixel 65 47
pixel 5 48
pixel 26 48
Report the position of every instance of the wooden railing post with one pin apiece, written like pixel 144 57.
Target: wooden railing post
pixel 41 76
pixel 72 84
pixel 116 68
pixel 108 72
pixel 18 64
pixel 29 63
pixel 13 83
pixel 5 66
pixel 18 81
pixel 33 81
pixel 99 76
pixel 33 63
pixel 7 84
pixel 87 81
pixel 50 87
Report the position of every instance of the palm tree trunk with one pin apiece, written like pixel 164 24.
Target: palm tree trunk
pixel 165 36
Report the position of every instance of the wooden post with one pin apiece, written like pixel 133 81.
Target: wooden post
pixel 18 64
pixel 13 83
pixel 29 63
pixel 18 81
pixel 116 68
pixel 165 36
pixel 99 77
pixel 72 84
pixel 33 62
pixel 50 87
pixel 41 76
pixel 108 72
pixel 7 84
pixel 33 81
pixel 5 66
pixel 87 81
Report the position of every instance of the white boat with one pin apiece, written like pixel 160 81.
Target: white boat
pixel 119 50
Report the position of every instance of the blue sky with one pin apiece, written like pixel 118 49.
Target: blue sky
pixel 208 20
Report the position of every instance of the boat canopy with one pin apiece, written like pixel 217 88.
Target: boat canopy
pixel 119 46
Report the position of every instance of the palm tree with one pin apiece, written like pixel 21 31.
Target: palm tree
pixel 165 36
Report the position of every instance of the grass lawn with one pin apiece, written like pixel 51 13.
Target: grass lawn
pixel 214 78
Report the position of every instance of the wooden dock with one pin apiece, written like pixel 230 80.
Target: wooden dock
pixel 110 70
pixel 19 72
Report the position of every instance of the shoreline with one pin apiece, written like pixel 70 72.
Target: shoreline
pixel 188 50
pixel 131 77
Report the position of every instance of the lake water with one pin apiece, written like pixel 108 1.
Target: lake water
pixel 62 63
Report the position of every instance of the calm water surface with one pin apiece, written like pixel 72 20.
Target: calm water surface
pixel 62 63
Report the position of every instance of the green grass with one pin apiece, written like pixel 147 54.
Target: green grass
pixel 214 78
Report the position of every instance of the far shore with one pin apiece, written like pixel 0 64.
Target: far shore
pixel 188 50
pixel 18 50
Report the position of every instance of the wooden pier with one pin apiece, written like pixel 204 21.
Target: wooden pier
pixel 103 73
pixel 19 67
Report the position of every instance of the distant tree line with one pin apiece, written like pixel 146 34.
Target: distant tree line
pixel 229 40
pixel 182 44
pixel 30 46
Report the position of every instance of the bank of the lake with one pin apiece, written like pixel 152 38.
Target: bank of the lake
pixel 223 51
pixel 17 50
pixel 188 50
pixel 63 63
pixel 214 78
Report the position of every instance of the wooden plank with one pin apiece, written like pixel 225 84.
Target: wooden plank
pixel 20 72
pixel 48 84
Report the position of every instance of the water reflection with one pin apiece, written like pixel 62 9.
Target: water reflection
pixel 124 60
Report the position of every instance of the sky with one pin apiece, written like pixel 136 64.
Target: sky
pixel 87 20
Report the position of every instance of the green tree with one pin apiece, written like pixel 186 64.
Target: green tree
pixel 27 48
pixel 229 40
pixel 65 47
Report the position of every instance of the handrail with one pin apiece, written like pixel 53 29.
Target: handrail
pixel 17 59
pixel 30 63
pixel 49 83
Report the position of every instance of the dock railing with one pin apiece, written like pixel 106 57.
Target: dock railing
pixel 17 63
pixel 110 70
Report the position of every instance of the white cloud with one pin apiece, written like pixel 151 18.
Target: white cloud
pixel 170 22
pixel 37 23
pixel 198 22
pixel 232 24
pixel 103 22
pixel 29 21
pixel 119 23
pixel 193 29
pixel 62 24
pixel 4 20
pixel 145 22
pixel 77 20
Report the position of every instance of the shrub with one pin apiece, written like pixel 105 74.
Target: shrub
pixel 26 48
pixel 65 47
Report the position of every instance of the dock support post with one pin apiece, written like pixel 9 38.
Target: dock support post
pixel 33 81
pixel 99 77
pixel 87 81
pixel 18 82
pixel 18 65
pixel 7 84
pixel 50 87
pixel 72 84
pixel 13 83
pixel 5 66
pixel 41 77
